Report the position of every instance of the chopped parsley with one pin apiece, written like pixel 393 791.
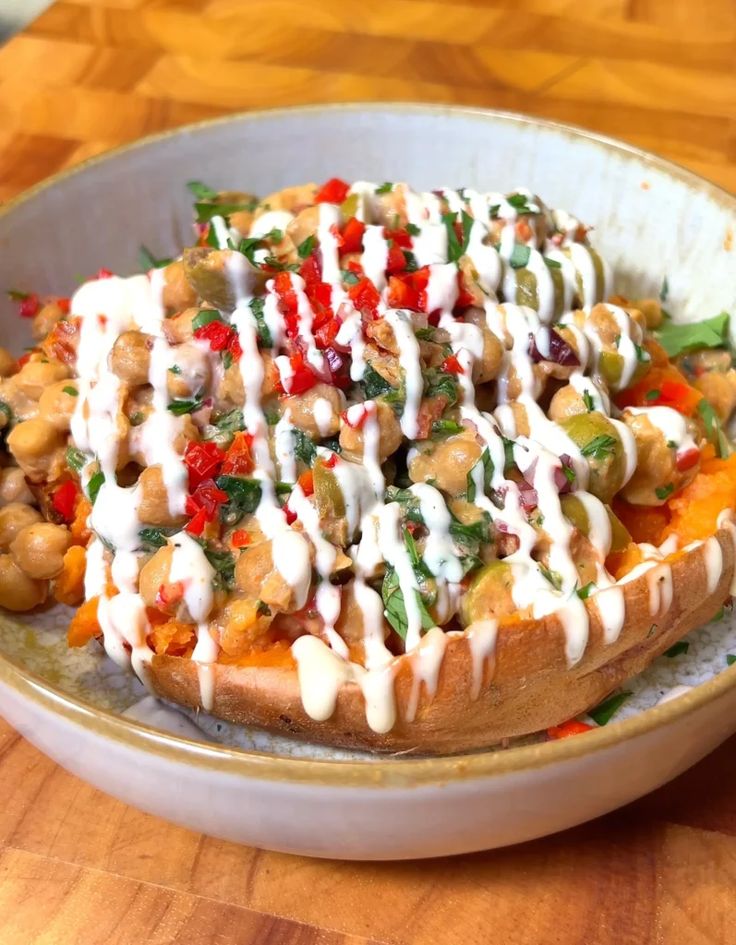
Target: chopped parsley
pixel 520 203
pixel 663 492
pixel 730 659
pixel 600 447
pixel 205 316
pixel 181 407
pixel 385 188
pixel 148 261
pixel 653 394
pixel 304 448
pixel 679 339
pixel 153 538
pixel 473 479
pixel 201 191
pixel 71 391
pixel 94 485
pixel 713 429
pixel 585 592
pixel 604 712
pixel 412 229
pixel 588 401
pixel 456 247
pixel 554 577
pixel 682 646
pixel 75 459
pixel 175 369
pixel 446 427
pixel 264 334
pixel 304 249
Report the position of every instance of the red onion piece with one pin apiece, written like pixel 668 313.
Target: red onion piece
pixel 560 351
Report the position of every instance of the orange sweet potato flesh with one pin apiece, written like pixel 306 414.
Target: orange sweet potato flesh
pixel 69 586
pixel 695 509
pixel 84 625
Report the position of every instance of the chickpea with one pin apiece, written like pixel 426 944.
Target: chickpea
pixel 303 225
pixel 179 328
pixel 39 549
pixel 566 402
pixel 57 404
pixel 35 376
pixel 154 504
pixel 292 199
pixel 14 488
pixel 390 435
pixel 487 367
pixel 242 627
pixel 257 577
pixel 8 363
pixel 130 357
pixel 231 391
pixel 178 293
pixel 351 622
pixel 447 464
pixel 190 373
pixel 153 574
pixel 720 390
pixel 44 321
pixel 13 518
pixel 18 592
pixel 656 475
pixel 651 309
pixel 305 412
pixel 38 449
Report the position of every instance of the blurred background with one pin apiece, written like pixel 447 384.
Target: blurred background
pixel 82 76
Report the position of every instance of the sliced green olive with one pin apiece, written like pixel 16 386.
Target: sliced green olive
pixel 349 205
pixel 206 272
pixel 600 275
pixel 611 366
pixel 576 513
pixel 327 492
pixel 601 445
pixel 526 289
pixel 489 594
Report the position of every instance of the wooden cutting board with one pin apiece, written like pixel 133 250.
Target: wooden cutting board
pixel 77 867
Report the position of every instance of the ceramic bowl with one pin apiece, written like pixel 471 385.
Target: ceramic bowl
pixel 653 219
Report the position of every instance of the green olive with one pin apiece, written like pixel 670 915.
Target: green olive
pixel 576 513
pixel 611 366
pixel 489 594
pixel 526 289
pixel 349 205
pixel 327 493
pixel 600 275
pixel 601 445
pixel 206 271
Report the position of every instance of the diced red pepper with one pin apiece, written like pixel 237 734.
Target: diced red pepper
pixel 234 348
pixel 409 290
pixel 400 237
pixel 306 481
pixel 24 359
pixel 302 378
pixel 206 498
pixel 452 366
pixel 662 386
pixel 396 260
pixel 203 460
pixel 240 538
pixel 217 334
pixel 290 514
pixel 197 524
pixel 170 593
pixel 573 727
pixel 239 458
pixel 104 274
pixel 334 191
pixel 64 499
pixel 464 297
pixel 310 270
pixel 352 236
pixel 365 297
pixel 330 462
pixel 688 459
pixel 29 306
pixel 64 305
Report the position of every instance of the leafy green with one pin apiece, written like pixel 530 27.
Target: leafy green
pixel 446 427
pixel 17 296
pixel 603 712
pixel 385 188
pixel 373 384
pixel 552 263
pixel 204 316
pixel 412 229
pixel 75 459
pixel 682 646
pixel 94 485
pixel 663 492
pixel 304 448
pixel 585 591
pixel 713 429
pixel 264 335
pixel 148 261
pixel 554 577
pixel 153 538
pixel 206 210
pixel 710 333
pixel 599 447
pixel 455 247
pixel 181 407
pixel 395 605
pixel 665 290
pixel 440 384
pixel 520 203
pixel 730 659
pixel 305 248
pixel 243 497
pixel 486 463
pixel 201 191
pixel 224 564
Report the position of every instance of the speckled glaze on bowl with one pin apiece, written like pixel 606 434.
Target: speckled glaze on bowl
pixel 653 219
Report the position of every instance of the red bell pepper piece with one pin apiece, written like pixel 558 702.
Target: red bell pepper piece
pixel 365 297
pixel 333 191
pixel 64 499
pixel 452 366
pixel 688 459
pixel 573 727
pixel 217 334
pixel 306 481
pixel 240 538
pixel 352 236
pixel 239 458
pixel 29 306
pixel 203 460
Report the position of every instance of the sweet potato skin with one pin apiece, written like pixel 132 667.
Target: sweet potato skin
pixel 527 685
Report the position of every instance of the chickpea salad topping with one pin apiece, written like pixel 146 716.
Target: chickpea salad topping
pixel 350 421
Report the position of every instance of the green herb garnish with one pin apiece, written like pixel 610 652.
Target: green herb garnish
pixel 75 459
pixel 554 577
pixel 204 317
pixel 585 592
pixel 653 394
pixel 385 188
pixel 519 256
pixel 304 448
pixel 304 249
pixel 663 492
pixel 71 391
pixel 603 713
pixel 148 261
pixel 682 646
pixel 679 339
pixel 588 401
pixel 181 407
pixel 714 430
pixel 201 191
pixel 600 447
pixel 94 485
pixel 264 335
pixel 153 538
pixel 412 229
pixel 730 659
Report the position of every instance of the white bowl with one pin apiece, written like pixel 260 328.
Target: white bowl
pixel 653 218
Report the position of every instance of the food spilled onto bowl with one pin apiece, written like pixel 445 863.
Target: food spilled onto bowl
pixel 373 467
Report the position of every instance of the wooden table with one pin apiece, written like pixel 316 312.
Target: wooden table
pixel 78 867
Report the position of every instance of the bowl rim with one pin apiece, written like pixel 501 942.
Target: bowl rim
pixel 375 771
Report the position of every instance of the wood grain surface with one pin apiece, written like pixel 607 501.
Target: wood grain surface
pixel 79 868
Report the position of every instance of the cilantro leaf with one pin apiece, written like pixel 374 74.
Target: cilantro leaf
pixel 148 261
pixel 682 646
pixel 713 429
pixel 603 713
pixel 599 447
pixel 304 448
pixel 710 333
